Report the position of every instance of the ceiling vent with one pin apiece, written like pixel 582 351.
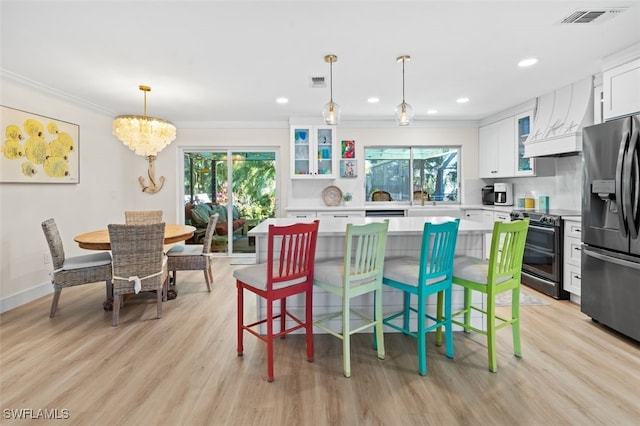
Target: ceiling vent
pixel 587 16
pixel 317 82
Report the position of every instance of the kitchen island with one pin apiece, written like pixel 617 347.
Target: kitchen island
pixel 404 238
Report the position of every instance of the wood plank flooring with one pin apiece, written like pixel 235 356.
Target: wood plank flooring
pixel 183 369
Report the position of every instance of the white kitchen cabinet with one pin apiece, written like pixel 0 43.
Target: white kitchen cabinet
pixel 497 149
pixel 341 213
pixel 305 214
pixel 621 90
pixel 302 214
pixel 314 152
pixel 572 253
pixel 523 166
pixel 474 215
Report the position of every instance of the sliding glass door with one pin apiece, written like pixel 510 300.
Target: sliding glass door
pixel 238 185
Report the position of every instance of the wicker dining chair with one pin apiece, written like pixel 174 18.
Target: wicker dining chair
pixel 380 196
pixel 138 262
pixel 142 217
pixel 72 271
pixel 192 257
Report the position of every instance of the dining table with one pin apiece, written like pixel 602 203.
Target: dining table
pixel 99 240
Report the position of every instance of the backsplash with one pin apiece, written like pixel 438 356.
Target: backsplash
pixel 564 188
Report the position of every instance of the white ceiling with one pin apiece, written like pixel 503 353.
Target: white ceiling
pixel 211 61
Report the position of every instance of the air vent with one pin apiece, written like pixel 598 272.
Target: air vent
pixel 317 82
pixel 588 16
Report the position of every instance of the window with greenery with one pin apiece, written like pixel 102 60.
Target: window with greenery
pixel 408 172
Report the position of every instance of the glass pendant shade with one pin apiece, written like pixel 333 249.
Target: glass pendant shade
pixel 331 110
pixel 404 114
pixel 331 113
pixel 404 111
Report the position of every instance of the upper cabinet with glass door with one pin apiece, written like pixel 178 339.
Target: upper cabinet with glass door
pixel 313 152
pixel 524 166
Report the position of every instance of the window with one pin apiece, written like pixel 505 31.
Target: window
pixel 405 171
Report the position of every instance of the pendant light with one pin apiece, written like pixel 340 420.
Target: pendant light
pixel 404 112
pixel 331 110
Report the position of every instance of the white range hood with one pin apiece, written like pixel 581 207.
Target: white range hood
pixel 560 117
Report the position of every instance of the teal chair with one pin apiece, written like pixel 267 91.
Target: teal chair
pixel 357 273
pixel 499 274
pixel 430 274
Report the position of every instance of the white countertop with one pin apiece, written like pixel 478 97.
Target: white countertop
pixel 398 206
pixel 397 225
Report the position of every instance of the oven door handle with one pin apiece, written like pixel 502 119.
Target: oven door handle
pixel 539 250
pixel 546 229
pixel 610 259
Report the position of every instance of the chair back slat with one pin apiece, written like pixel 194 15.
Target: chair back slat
pixel 507 249
pixel 142 217
pixel 54 241
pixel 438 249
pixel 295 256
pixel 364 250
pixel 208 236
pixel 136 251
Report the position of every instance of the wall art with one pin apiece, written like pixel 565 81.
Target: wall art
pixel 38 149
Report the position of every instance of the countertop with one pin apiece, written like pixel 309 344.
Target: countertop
pixel 397 225
pixel 399 206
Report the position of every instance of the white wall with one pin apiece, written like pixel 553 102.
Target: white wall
pixel 108 179
pixel 308 194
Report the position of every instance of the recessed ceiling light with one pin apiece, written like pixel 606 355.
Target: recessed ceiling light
pixel 432 111
pixel 282 100
pixel 527 62
pixel 373 100
pixel 462 100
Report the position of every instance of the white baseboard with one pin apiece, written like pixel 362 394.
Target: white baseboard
pixel 26 296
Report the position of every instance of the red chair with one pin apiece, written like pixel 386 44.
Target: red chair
pixel 288 271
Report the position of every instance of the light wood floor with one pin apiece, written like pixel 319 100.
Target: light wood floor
pixel 183 369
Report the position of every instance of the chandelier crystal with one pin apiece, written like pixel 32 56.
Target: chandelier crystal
pixel 331 110
pixel 145 136
pixel 404 111
pixel 142 134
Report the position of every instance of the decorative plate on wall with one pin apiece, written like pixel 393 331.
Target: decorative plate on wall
pixel 332 195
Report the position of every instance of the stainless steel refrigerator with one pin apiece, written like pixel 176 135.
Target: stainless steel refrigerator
pixel 610 222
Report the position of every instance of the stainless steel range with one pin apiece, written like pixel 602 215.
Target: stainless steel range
pixel 542 262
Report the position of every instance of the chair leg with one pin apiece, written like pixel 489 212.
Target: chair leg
pixel 283 316
pixel 309 323
pixel 448 327
pixel 346 337
pixel 54 302
pixel 115 316
pixel 491 333
pixel 159 297
pixel 208 276
pixel 422 345
pixel 515 325
pixel 439 316
pixel 240 311
pixel 379 328
pixel 467 310
pixel 407 312
pixel 269 339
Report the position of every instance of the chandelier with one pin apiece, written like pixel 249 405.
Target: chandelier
pixel 331 110
pixel 404 111
pixel 145 136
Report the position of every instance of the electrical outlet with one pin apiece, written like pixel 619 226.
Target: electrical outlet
pixel 47 257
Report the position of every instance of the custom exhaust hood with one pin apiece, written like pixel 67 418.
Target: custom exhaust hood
pixel 560 117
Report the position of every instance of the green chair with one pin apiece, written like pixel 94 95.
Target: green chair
pixel 499 274
pixel 422 277
pixel 358 272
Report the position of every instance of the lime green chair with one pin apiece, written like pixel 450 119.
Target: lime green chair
pixel 357 273
pixel 422 277
pixel 499 274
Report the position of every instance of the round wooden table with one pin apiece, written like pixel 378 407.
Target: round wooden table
pixel 99 240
